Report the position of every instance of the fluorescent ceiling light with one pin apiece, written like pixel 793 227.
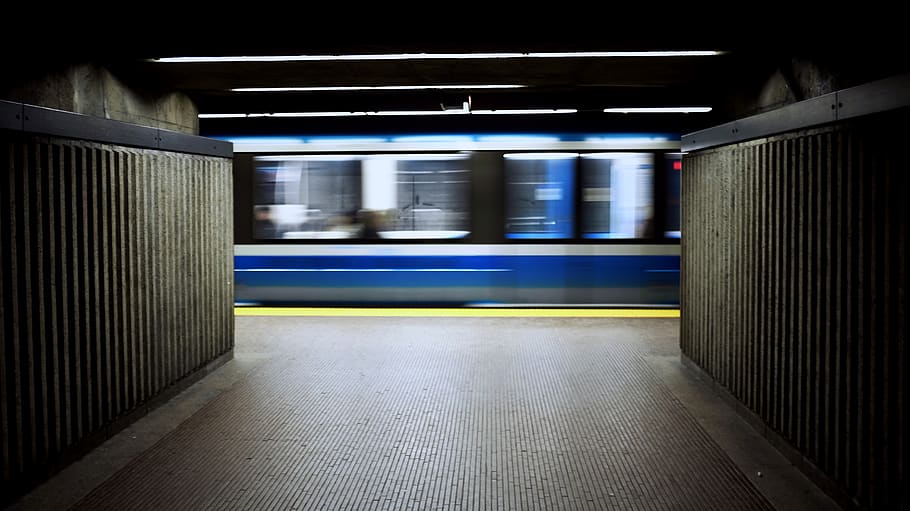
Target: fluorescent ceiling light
pixel 221 116
pixel 660 110
pixel 311 114
pixel 526 111
pixel 613 54
pixel 437 56
pixel 397 113
pixel 376 87
pixel 283 114
pixel 229 116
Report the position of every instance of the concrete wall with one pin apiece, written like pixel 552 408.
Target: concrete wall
pixel 794 278
pixel 116 291
pixel 93 90
pixel 774 79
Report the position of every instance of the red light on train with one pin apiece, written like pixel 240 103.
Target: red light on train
pixel 677 165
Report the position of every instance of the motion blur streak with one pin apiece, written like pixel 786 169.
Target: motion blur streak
pixel 463 312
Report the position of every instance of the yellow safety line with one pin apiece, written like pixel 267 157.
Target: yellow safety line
pixel 472 312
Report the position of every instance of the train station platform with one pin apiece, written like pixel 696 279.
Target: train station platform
pixel 427 411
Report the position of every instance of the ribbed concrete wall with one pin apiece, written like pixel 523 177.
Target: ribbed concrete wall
pixel 794 270
pixel 90 89
pixel 115 290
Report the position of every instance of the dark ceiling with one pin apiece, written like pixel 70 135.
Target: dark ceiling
pixel 729 83
pixel 586 84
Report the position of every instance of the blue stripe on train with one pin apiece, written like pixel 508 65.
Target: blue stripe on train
pixel 457 271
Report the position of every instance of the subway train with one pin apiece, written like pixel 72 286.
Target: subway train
pixel 458 220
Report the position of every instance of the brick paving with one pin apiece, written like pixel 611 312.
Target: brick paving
pixel 439 413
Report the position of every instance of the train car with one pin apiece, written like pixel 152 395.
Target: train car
pixel 468 220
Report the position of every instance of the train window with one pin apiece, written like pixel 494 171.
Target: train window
pixel 306 196
pixel 673 174
pixel 617 195
pixel 362 196
pixel 432 196
pixel 540 195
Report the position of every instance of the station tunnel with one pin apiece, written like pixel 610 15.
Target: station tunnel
pixel 643 273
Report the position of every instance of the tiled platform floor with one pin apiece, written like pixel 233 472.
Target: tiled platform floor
pixel 440 413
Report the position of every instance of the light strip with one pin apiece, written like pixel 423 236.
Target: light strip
pixel 234 116
pixel 310 114
pixel 660 110
pixel 399 113
pixel 435 56
pixel 497 312
pixel 526 111
pixel 283 114
pixel 376 87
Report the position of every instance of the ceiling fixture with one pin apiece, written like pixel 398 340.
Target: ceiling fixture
pixel 282 114
pixel 528 111
pixel 373 87
pixel 436 56
pixel 660 110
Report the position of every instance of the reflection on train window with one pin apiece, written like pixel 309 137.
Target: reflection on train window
pixel 540 199
pixel 616 195
pixel 432 196
pixel 362 196
pixel 306 196
pixel 673 174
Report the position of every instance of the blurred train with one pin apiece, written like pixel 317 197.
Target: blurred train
pixel 479 220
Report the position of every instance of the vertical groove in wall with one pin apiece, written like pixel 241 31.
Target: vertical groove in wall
pixel 839 340
pixel 5 309
pixel 793 295
pixel 117 265
pixel 801 346
pixel 791 359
